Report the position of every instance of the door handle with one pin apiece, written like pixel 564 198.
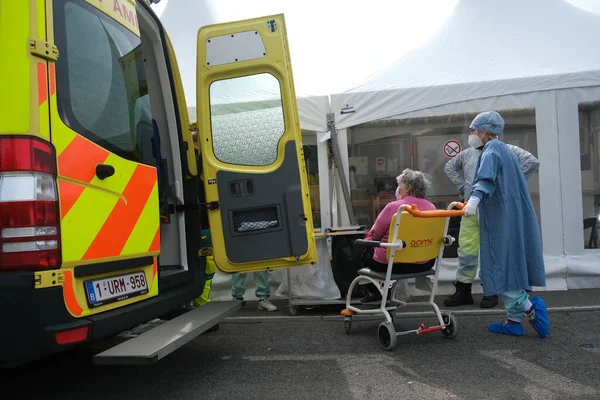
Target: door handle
pixel 104 171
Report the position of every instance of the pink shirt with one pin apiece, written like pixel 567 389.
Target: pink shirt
pixel 382 224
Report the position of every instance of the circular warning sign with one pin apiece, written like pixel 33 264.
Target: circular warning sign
pixel 452 148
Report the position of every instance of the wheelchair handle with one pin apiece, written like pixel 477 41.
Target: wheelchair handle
pixel 414 211
pixel 366 243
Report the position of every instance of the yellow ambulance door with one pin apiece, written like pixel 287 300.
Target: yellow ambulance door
pixel 254 174
pixel 101 127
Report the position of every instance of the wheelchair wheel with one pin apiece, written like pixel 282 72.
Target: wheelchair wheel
pixel 387 335
pixel 452 329
pixel 348 325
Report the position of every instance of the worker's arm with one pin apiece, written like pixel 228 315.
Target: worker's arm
pixel 484 185
pixel 453 168
pixel 529 163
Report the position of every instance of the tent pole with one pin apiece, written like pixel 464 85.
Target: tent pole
pixel 339 166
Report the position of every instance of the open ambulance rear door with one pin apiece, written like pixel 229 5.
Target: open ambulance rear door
pixel 252 161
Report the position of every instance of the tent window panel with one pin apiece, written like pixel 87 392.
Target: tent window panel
pixel 247 119
pixel 589 137
pixel 420 143
pixel 376 157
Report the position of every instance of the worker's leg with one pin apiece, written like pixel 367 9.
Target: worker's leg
pixel 263 291
pixel 515 301
pixel 468 252
pixel 209 274
pixel 238 285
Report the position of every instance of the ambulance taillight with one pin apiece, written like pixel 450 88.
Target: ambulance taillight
pixel 29 212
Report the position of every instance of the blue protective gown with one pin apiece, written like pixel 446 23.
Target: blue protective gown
pixel 511 255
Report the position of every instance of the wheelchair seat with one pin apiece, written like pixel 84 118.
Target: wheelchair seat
pixel 395 277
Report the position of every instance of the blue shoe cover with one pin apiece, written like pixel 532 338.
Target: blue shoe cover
pixel 506 329
pixel 541 325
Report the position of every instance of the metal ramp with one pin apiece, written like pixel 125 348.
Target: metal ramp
pixel 157 343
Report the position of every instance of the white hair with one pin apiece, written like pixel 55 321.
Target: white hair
pixel 415 182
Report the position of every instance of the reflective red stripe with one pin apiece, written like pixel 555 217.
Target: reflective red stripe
pixel 52 80
pixel 68 195
pixel 118 227
pixel 78 161
pixel 155 246
pixel 42 83
pixel 69 295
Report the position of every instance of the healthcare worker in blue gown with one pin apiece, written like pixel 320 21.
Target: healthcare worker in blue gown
pixel 511 259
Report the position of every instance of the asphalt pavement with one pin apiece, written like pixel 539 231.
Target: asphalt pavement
pixel 312 358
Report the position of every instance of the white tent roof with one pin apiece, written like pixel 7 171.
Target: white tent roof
pixel 486 48
pixel 182 20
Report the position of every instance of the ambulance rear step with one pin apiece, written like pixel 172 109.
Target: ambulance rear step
pixel 156 343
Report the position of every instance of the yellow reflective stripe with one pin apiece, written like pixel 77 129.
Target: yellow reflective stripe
pixel 141 237
pixel 41 19
pixel 16 74
pixel 61 138
pixel 87 216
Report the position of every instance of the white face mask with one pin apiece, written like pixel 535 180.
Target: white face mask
pixel 398 195
pixel 474 141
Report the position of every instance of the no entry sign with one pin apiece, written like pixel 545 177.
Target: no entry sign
pixel 452 148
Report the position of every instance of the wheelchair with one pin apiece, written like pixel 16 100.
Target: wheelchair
pixel 414 236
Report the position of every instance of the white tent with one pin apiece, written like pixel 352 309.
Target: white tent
pixel 510 55
pixel 486 48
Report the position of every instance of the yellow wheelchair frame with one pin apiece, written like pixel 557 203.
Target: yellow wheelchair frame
pixel 414 236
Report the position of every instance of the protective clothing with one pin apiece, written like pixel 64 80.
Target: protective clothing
pixel 462 295
pixel 468 250
pixel 475 142
pixel 541 323
pixel 263 290
pixel 514 302
pixel 468 237
pixel 398 195
pixel 209 270
pixel 209 274
pixel 505 328
pixel 510 245
pixel 466 162
pixel 471 208
pixel 488 121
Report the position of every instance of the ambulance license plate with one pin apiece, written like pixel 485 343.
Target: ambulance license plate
pixel 116 288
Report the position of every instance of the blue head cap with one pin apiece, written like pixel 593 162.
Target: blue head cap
pixel 488 121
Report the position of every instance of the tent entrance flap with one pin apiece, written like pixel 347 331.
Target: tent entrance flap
pixel 340 167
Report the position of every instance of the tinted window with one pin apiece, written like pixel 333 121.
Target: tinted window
pixel 101 84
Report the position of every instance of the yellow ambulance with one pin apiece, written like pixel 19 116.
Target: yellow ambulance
pixel 100 190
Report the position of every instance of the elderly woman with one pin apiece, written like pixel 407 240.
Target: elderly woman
pixel 412 189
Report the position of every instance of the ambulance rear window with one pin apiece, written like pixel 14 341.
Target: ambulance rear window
pixel 101 83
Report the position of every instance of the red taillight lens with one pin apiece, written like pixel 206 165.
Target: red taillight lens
pixel 27 154
pixel 72 336
pixel 29 220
